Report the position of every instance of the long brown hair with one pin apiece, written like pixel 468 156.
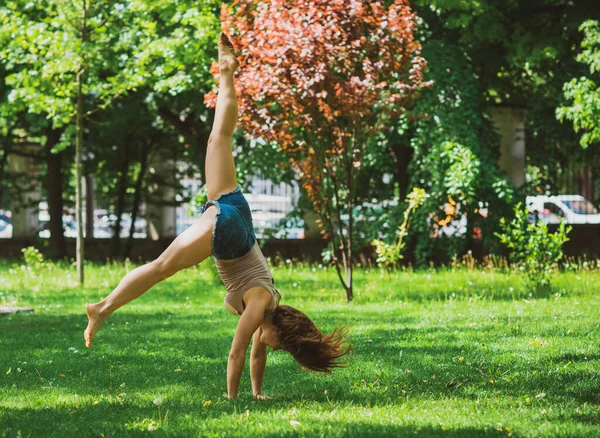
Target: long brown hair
pixel 304 341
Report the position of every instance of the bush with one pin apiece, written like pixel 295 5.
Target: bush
pixel 32 257
pixel 389 254
pixel 534 250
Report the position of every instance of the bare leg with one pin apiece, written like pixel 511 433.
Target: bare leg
pixel 189 248
pixel 195 244
pixel 220 169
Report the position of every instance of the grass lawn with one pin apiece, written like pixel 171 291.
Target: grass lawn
pixel 463 353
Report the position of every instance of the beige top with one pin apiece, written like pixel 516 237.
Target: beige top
pixel 241 274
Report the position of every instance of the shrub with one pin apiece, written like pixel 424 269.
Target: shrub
pixel 390 254
pixel 33 257
pixel 534 250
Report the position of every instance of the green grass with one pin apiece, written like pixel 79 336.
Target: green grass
pixel 464 353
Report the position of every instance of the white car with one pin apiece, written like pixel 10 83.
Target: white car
pixel 5 227
pixel 573 209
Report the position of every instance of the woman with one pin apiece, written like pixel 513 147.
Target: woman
pixel 225 231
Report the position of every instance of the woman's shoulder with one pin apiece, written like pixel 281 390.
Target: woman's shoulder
pixel 260 294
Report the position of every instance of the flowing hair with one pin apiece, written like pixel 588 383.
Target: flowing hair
pixel 304 341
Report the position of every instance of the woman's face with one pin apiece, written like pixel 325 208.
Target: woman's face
pixel 271 338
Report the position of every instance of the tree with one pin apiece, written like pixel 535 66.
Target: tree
pixel 482 54
pixel 321 79
pixel 124 141
pixel 174 56
pixel 584 92
pixel 66 60
pixel 521 54
pixel 455 157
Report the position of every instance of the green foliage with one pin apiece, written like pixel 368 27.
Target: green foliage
pixel 584 92
pixel 365 69
pixel 534 250
pixel 517 54
pixel 389 254
pixel 147 68
pixel 456 151
pixel 32 257
pixel 43 51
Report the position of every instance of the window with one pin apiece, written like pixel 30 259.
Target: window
pixel 581 207
pixel 554 209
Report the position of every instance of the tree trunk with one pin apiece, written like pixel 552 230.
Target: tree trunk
pixel 348 286
pixel 350 240
pixel 402 155
pixel 137 197
pixel 89 207
pixel 54 189
pixel 120 207
pixel 78 152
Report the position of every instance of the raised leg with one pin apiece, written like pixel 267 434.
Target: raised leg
pixel 189 248
pixel 220 169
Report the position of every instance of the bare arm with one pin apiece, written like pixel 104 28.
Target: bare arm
pixel 250 321
pixel 258 361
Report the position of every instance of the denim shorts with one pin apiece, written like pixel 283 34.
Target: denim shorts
pixel 233 233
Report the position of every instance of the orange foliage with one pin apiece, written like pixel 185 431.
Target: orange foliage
pixel 320 76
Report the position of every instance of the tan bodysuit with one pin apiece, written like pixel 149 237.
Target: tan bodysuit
pixel 241 274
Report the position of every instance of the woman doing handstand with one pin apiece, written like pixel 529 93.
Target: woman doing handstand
pixel 225 231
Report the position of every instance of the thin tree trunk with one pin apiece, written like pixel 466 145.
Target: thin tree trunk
pixel 137 197
pixel 78 151
pixel 78 200
pixel 349 242
pixel 350 205
pixel 349 262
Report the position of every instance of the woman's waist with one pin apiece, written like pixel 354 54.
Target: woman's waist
pixel 235 284
pixel 249 265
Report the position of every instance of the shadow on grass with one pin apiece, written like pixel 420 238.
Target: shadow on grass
pixel 49 351
pixel 113 420
pixel 150 349
pixel 384 431
pixel 470 365
pixel 140 358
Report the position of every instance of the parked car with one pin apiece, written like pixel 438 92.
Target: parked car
pixel 573 209
pixel 5 227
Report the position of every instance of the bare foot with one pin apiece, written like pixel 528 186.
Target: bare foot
pixel 94 323
pixel 227 59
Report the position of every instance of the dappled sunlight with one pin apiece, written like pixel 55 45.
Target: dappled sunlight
pixel 424 356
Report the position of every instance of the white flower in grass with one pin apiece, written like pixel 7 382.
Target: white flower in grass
pixel 157 401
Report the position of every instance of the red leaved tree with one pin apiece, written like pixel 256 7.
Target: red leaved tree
pixel 320 78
